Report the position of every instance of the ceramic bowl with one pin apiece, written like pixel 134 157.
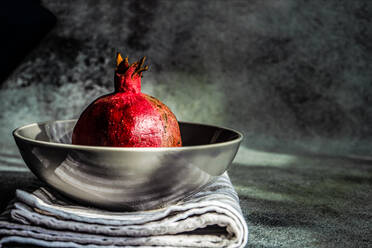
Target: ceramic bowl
pixel 119 178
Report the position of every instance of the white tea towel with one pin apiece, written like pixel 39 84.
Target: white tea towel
pixel 210 218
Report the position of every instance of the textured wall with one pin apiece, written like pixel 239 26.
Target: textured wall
pixel 290 74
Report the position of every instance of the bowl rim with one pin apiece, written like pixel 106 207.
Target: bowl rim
pixel 16 135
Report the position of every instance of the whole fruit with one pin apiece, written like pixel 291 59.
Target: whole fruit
pixel 127 117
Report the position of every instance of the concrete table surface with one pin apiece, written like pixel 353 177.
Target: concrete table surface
pixel 288 200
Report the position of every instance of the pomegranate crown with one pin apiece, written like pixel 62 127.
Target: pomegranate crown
pixel 128 76
pixel 122 65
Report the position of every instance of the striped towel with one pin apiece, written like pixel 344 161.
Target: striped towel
pixel 210 218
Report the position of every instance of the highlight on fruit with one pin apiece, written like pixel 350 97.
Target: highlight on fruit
pixel 127 117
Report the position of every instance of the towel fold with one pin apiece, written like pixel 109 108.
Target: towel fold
pixel 210 218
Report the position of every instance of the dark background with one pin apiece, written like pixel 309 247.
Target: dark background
pixel 292 75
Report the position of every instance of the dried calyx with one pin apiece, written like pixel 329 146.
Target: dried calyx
pixel 122 65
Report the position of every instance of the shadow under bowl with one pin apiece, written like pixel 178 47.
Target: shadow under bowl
pixel 126 178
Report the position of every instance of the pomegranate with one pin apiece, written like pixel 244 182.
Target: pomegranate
pixel 127 117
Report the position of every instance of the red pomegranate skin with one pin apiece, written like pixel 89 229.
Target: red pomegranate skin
pixel 127 117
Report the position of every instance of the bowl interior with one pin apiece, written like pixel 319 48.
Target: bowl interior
pixel 61 131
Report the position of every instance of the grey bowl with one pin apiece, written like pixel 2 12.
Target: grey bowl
pixel 121 178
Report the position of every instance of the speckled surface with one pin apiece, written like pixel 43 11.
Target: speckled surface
pixel 294 76
pixel 288 200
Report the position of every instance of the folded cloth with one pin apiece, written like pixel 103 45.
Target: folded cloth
pixel 210 218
